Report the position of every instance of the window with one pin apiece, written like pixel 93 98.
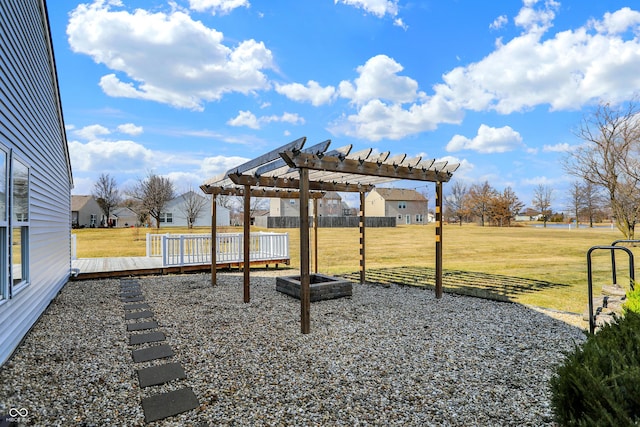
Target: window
pixel 402 205
pixel 166 217
pixel 19 239
pixel 418 217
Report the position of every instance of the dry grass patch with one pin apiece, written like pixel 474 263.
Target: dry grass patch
pixel 551 255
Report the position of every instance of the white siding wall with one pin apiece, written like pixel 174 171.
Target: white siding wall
pixel 31 126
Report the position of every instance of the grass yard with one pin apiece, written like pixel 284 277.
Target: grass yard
pixel 554 256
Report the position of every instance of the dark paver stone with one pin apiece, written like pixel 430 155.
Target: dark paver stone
pixel 138 314
pixel 152 353
pixel 160 374
pixel 136 306
pixel 139 326
pixel 131 295
pixel 145 338
pixel 133 299
pixel 165 405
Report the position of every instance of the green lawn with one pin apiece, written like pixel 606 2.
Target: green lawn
pixel 554 256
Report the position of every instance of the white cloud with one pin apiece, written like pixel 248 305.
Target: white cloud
pixel 245 118
pixel 566 70
pixel 499 22
pixel 130 129
pixel 488 140
pixel 378 8
pixel 248 119
pixel 217 6
pixel 165 57
pixel 379 79
pixel 105 156
pixel 91 132
pixel 312 92
pixel 558 148
pixel 215 165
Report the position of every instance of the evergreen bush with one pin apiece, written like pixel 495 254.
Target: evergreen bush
pixel 599 382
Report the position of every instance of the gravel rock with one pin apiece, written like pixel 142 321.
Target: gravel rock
pixel 386 356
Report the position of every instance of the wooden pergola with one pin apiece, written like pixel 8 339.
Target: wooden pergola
pixel 293 171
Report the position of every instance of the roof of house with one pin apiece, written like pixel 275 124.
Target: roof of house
pixel 395 194
pixel 78 202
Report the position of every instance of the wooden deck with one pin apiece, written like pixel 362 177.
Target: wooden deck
pixel 99 268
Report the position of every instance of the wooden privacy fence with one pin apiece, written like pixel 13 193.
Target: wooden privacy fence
pixel 194 249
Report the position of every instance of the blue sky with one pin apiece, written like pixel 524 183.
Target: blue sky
pixel 190 88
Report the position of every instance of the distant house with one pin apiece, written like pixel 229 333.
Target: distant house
pixel 176 210
pixel 35 192
pixel 330 204
pixel 86 212
pixel 123 217
pixel 529 214
pixel 406 206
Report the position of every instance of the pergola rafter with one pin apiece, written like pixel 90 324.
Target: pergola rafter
pixel 306 173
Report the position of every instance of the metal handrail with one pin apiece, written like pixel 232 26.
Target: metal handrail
pixel 612 248
pixel 613 258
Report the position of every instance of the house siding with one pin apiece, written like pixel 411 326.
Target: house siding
pixel 32 130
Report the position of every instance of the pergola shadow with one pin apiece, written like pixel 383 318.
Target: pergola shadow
pixel 491 286
pixel 292 171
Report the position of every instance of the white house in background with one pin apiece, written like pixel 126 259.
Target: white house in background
pixel 35 174
pixel 175 212
pixel 406 206
pixel 123 217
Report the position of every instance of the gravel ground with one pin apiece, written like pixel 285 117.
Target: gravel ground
pixel 386 356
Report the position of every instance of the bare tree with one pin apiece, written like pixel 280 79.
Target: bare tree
pixel 455 201
pixel 479 199
pixel 542 198
pixel 594 201
pixel 576 200
pixel 610 158
pixel 106 193
pixel 153 193
pixel 192 206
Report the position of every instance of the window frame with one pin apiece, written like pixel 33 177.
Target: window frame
pixel 5 288
pixel 24 230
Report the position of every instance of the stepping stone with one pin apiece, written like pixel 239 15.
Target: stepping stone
pixel 136 306
pixel 139 326
pixel 165 405
pixel 131 294
pixel 138 315
pixel 160 374
pixel 133 299
pixel 152 353
pixel 145 338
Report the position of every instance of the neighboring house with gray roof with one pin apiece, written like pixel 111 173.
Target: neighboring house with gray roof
pixel 406 206
pixel 86 212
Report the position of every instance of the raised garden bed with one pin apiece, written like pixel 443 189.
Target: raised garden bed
pixel 322 287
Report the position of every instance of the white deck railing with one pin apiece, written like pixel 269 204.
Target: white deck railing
pixel 193 249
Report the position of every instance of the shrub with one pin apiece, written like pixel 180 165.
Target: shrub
pixel 633 300
pixel 599 382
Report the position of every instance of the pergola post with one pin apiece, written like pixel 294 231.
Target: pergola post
pixel 305 279
pixel 362 241
pixel 439 239
pixel 246 240
pixel 315 235
pixel 214 241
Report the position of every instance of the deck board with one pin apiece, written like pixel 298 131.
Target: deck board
pixel 94 268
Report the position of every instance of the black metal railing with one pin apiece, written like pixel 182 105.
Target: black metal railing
pixel 612 248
